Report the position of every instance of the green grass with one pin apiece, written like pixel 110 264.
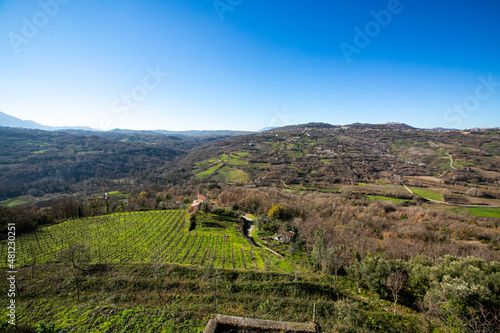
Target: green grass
pixel 14 202
pixel 382 198
pixel 235 159
pixel 139 237
pixel 294 153
pixel 174 298
pixel 362 184
pixel 478 211
pixel 207 173
pixel 325 160
pixel 118 195
pixel 427 193
pixel 238 176
pixel 40 151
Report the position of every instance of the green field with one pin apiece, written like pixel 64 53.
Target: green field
pixel 426 193
pixel 207 173
pixel 382 198
pixel 142 237
pixel 235 159
pixel 237 176
pixel 478 211
pixel 225 171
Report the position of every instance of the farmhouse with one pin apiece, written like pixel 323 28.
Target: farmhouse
pixel 197 202
pixel 285 236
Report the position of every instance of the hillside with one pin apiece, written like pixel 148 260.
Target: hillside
pixel 320 155
pixel 36 163
pixel 310 156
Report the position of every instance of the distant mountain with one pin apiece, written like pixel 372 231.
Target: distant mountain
pixel 386 126
pixel 10 121
pixel 303 127
pixel 206 133
pixel 266 129
pixel 443 129
pixel 355 126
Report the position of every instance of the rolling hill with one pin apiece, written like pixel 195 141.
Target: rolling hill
pixel 316 155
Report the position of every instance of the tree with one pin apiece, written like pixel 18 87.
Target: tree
pixel 474 192
pixel 264 223
pixel 318 252
pixel 76 255
pixel 335 260
pixel 278 213
pixel 395 282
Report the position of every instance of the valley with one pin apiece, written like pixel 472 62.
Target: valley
pixel 147 231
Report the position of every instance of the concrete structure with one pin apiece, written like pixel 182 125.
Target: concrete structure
pixel 220 324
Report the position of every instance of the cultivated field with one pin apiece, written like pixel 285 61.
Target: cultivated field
pixel 152 236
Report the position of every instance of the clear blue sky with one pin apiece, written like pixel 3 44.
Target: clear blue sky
pixel 248 64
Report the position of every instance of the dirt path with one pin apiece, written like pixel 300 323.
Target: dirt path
pixel 451 161
pixel 408 189
pixel 251 225
pixel 249 235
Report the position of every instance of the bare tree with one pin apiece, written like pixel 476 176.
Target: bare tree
pixel 395 282
pixel 76 255
pixel 335 260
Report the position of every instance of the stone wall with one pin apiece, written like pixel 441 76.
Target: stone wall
pixel 216 322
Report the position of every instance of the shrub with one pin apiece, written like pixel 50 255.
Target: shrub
pixel 218 211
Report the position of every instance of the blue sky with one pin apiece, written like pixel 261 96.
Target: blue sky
pixel 245 65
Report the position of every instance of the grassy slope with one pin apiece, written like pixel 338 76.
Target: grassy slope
pixel 171 298
pixel 207 173
pixel 478 211
pixel 226 171
pixel 382 198
pixel 427 193
pixel 153 236
pixel 154 295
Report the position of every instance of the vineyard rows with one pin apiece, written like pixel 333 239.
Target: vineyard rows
pixel 152 236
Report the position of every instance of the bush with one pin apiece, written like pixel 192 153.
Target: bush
pixel 218 211
pixel 264 223
pixel 347 313
pixel 278 213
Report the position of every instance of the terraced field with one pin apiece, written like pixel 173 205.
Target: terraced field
pixel 226 170
pixel 151 236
